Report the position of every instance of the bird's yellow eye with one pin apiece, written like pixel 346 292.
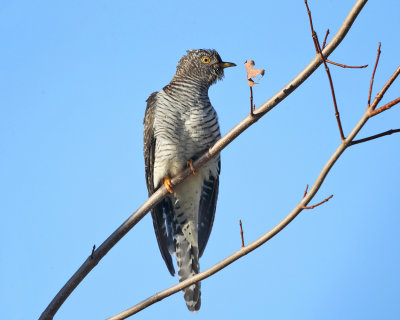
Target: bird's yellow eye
pixel 205 59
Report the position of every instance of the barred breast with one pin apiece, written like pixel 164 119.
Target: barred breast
pixel 185 126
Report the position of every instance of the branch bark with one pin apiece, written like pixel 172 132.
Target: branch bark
pixel 106 246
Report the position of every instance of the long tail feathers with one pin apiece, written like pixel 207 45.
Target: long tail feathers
pixel 187 257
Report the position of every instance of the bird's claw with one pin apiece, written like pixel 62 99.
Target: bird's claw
pixel 168 184
pixel 189 163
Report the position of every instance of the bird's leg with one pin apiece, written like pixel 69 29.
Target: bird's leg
pixel 168 184
pixel 189 163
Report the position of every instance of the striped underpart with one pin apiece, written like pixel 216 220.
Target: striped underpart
pixel 185 126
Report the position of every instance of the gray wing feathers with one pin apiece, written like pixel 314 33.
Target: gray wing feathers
pixel 208 203
pixel 163 207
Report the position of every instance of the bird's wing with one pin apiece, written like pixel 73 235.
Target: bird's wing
pixel 208 202
pixel 149 143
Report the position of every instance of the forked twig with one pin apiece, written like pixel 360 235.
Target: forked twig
pixel 340 64
pixel 381 93
pixel 387 106
pixel 315 205
pixel 319 51
pixel 319 203
pixel 371 109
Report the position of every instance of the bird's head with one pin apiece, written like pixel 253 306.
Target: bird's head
pixel 204 65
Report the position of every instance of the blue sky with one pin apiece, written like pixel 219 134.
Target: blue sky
pixel 74 77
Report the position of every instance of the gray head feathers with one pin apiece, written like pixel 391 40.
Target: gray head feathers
pixel 204 65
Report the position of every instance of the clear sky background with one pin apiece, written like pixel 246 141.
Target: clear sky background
pixel 74 77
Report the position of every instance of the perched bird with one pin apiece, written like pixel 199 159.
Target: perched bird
pixel 180 124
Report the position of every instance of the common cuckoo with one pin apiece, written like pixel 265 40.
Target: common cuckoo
pixel 180 124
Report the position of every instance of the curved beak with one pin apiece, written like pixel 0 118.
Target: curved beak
pixel 227 64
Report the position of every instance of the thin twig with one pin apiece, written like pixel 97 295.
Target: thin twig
pixel 346 66
pixel 267 106
pixel 241 232
pixel 373 74
pixel 305 192
pixel 252 106
pixel 326 37
pixel 311 26
pixel 319 203
pixel 339 64
pixel 385 107
pixel 94 248
pixel 376 136
pixel 381 93
pixel 319 51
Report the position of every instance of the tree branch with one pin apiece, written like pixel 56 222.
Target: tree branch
pixel 376 136
pixel 106 246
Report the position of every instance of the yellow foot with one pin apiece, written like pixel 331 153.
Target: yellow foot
pixel 190 164
pixel 168 185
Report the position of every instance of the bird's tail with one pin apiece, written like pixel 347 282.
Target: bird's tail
pixel 187 258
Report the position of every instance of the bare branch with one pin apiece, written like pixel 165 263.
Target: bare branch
pixel 106 246
pixel 319 51
pixel 373 74
pixel 319 203
pixel 376 136
pixel 315 205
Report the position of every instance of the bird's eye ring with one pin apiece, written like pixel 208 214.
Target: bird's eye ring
pixel 205 59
